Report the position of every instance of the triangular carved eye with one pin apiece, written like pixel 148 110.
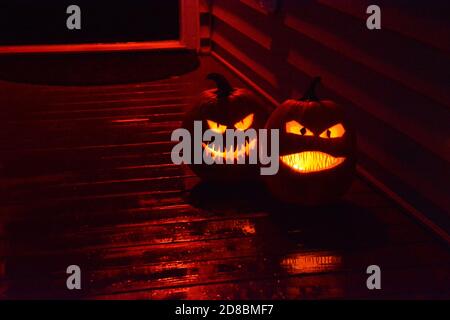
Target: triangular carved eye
pixel 335 131
pixel 245 123
pixel 296 128
pixel 216 127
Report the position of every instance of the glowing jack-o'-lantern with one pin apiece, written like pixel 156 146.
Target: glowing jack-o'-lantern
pixel 225 108
pixel 317 150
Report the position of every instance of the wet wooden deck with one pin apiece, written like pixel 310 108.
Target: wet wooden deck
pixel 86 179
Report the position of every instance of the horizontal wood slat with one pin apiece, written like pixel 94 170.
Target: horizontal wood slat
pixel 399 18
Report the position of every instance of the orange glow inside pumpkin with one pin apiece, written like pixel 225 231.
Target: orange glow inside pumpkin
pixel 232 152
pixel 296 128
pixel 241 125
pixel 216 127
pixel 311 161
pixel 245 123
pixel 335 131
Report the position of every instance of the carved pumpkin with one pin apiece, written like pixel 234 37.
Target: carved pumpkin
pixel 317 150
pixel 225 108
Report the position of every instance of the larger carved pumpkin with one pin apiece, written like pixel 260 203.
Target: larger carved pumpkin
pixel 225 108
pixel 317 150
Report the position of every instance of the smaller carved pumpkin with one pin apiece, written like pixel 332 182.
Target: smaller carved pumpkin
pixel 317 150
pixel 225 108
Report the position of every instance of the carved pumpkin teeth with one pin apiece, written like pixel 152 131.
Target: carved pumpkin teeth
pixel 311 161
pixel 230 153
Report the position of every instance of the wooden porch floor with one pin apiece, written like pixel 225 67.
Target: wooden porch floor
pixel 86 179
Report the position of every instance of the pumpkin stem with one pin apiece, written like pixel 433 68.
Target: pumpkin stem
pixel 310 94
pixel 224 89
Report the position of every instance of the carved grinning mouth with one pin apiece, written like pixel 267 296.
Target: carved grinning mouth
pixel 231 152
pixel 311 161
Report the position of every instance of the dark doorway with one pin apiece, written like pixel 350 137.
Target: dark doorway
pixel 25 22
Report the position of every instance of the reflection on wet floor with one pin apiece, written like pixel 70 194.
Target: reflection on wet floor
pixel 311 263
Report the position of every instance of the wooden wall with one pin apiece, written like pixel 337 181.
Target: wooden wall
pixel 394 82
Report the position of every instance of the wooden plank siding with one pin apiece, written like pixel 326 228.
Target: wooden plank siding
pixel 86 178
pixel 393 82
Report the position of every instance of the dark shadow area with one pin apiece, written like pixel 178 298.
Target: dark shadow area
pixel 25 22
pixel 336 226
pixel 341 225
pixel 242 197
pixel 84 69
